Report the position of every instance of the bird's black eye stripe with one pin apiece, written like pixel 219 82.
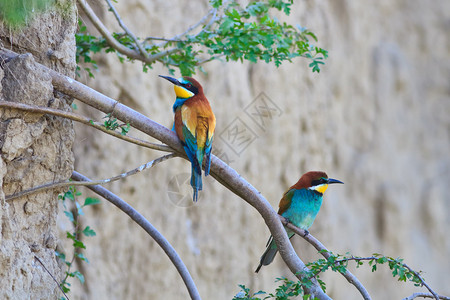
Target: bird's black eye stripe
pixel 319 181
pixel 190 87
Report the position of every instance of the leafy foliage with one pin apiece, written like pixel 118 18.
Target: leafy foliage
pixel 87 45
pixel 234 33
pixel 112 124
pixel 75 236
pixel 337 263
pixel 288 289
pixel 16 13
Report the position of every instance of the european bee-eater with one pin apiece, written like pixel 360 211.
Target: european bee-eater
pixel 299 205
pixel 194 125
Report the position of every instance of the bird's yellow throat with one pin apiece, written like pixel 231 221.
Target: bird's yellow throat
pixel 182 92
pixel 321 188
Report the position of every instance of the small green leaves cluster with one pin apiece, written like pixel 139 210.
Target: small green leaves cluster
pixel 252 34
pixel 75 236
pixel 288 289
pixel 339 263
pixel 399 269
pixel 111 123
pixel 86 46
pixel 235 33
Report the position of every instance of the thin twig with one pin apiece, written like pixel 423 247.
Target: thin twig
pixel 84 120
pixel 199 23
pixel 129 33
pixel 422 281
pixel 152 231
pixel 51 275
pixel 206 60
pixel 425 295
pixel 324 251
pixel 65 183
pixel 149 38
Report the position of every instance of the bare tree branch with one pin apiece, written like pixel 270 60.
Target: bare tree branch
pixel 219 170
pixel 133 54
pixel 178 38
pixel 65 183
pixel 142 54
pixel 203 21
pixel 104 31
pixel 128 32
pixel 324 251
pixel 425 295
pixel 85 121
pixel 148 227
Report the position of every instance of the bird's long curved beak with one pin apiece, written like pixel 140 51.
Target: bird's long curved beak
pixel 331 180
pixel 171 79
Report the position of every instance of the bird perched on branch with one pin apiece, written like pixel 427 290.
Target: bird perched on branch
pixel 299 205
pixel 194 124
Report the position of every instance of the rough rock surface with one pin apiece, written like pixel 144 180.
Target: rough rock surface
pixel 376 117
pixel 35 149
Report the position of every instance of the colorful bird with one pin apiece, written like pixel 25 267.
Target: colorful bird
pixel 194 125
pixel 299 205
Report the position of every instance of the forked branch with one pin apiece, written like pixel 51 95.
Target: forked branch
pixel 149 228
pixel 133 54
pixel 325 253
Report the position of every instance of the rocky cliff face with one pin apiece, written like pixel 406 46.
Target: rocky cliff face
pixel 35 149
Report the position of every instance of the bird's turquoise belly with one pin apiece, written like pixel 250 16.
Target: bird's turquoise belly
pixel 303 209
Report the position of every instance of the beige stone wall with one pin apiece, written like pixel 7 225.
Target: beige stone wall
pixel 35 149
pixel 376 117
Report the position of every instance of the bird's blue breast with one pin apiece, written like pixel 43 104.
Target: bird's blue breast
pixel 305 204
pixel 178 102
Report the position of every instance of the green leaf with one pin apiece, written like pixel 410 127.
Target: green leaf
pixel 78 275
pixel 88 231
pixel 60 255
pixel 78 244
pixel 216 3
pixel 69 195
pixel 69 215
pixel 125 129
pixel 79 209
pixel 70 236
pixel 82 257
pixel 91 201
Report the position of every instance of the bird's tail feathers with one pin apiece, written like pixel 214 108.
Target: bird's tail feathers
pixel 196 182
pixel 268 255
pixel 193 159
